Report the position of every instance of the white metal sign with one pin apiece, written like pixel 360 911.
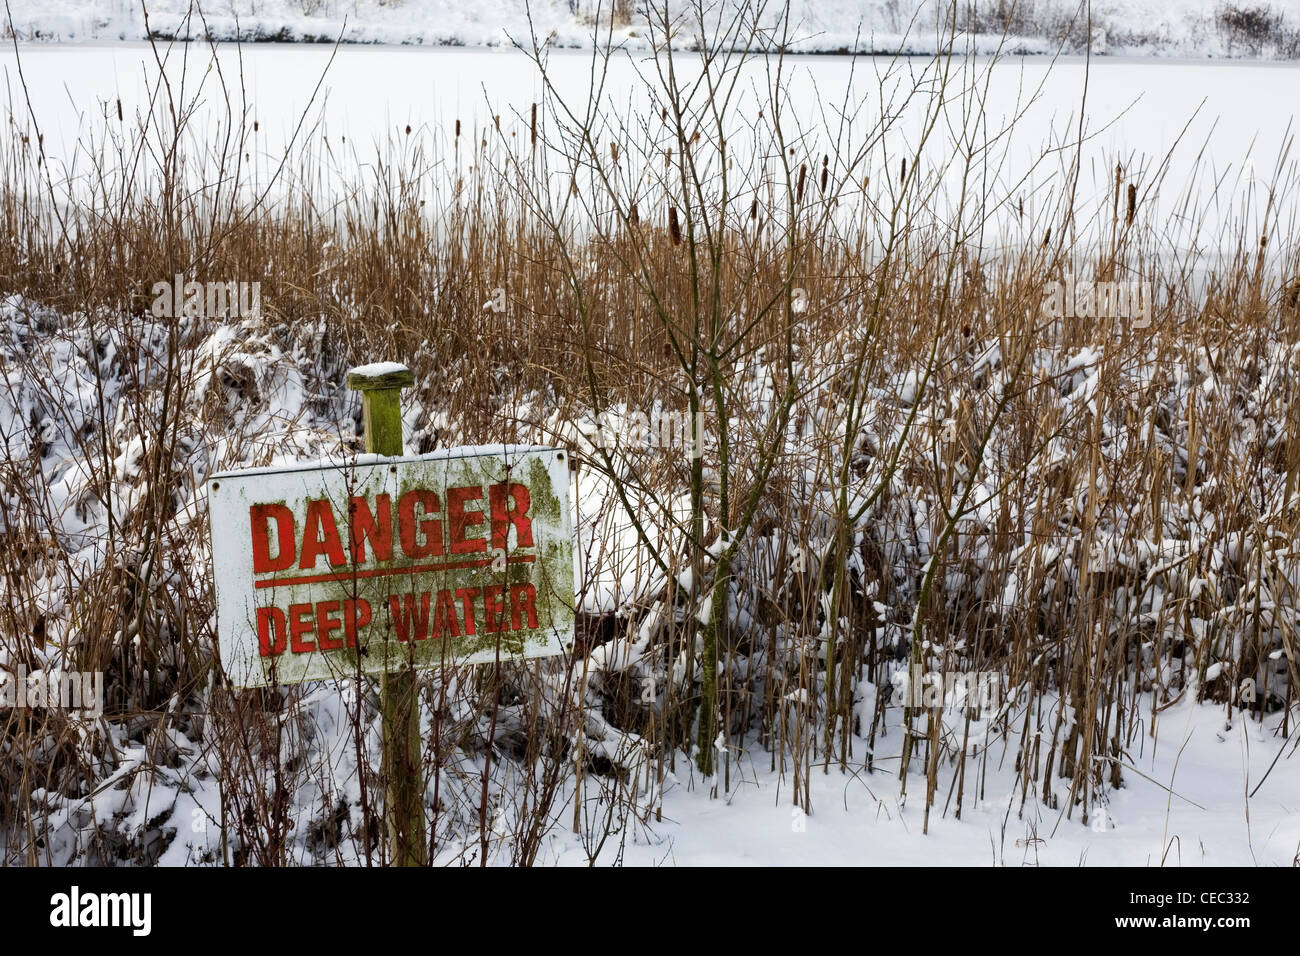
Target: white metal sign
pixel 456 557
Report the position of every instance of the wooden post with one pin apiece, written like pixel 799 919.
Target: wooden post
pixel 402 770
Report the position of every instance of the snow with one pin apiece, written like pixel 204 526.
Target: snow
pixel 1164 27
pixel 375 369
pixel 504 450
pixel 1206 792
pixel 1179 806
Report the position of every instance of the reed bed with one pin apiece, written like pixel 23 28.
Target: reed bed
pixel 908 464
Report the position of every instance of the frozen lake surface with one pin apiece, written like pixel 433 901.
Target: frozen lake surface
pixel 1241 113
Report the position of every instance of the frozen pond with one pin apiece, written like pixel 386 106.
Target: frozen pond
pixel 1235 116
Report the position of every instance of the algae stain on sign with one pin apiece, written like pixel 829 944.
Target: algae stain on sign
pixel 373 566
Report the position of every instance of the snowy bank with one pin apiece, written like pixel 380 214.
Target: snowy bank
pixel 1195 28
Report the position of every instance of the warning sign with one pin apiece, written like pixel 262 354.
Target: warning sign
pixel 334 570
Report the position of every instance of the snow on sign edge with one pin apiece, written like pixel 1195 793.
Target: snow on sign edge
pixel 505 451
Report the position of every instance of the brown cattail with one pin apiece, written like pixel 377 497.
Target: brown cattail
pixel 1132 203
pixel 408 129
pixel 803 174
pixel 613 153
pixel 1291 294
pixel 668 157
pixel 458 129
pixel 119 111
pixel 633 216
pixel 753 209
pixel 674 227
pixel 825 174
pixel 902 170
pixel 532 127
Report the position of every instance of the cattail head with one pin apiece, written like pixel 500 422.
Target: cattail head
pixel 803 175
pixel 633 216
pixel 1291 294
pixel 458 129
pixel 613 152
pixel 532 127
pixel 1132 203
pixel 825 174
pixel 674 227
pixel 753 209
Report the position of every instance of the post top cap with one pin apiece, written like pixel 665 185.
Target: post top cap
pixel 380 375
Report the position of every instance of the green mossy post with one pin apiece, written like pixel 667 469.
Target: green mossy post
pixel 381 407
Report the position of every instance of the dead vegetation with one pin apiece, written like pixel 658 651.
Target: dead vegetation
pixel 907 463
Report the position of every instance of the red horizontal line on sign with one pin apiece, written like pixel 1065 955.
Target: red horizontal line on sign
pixel 390 572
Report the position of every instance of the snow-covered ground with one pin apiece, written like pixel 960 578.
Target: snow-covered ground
pixel 1183 804
pixel 1212 790
pixel 1163 27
